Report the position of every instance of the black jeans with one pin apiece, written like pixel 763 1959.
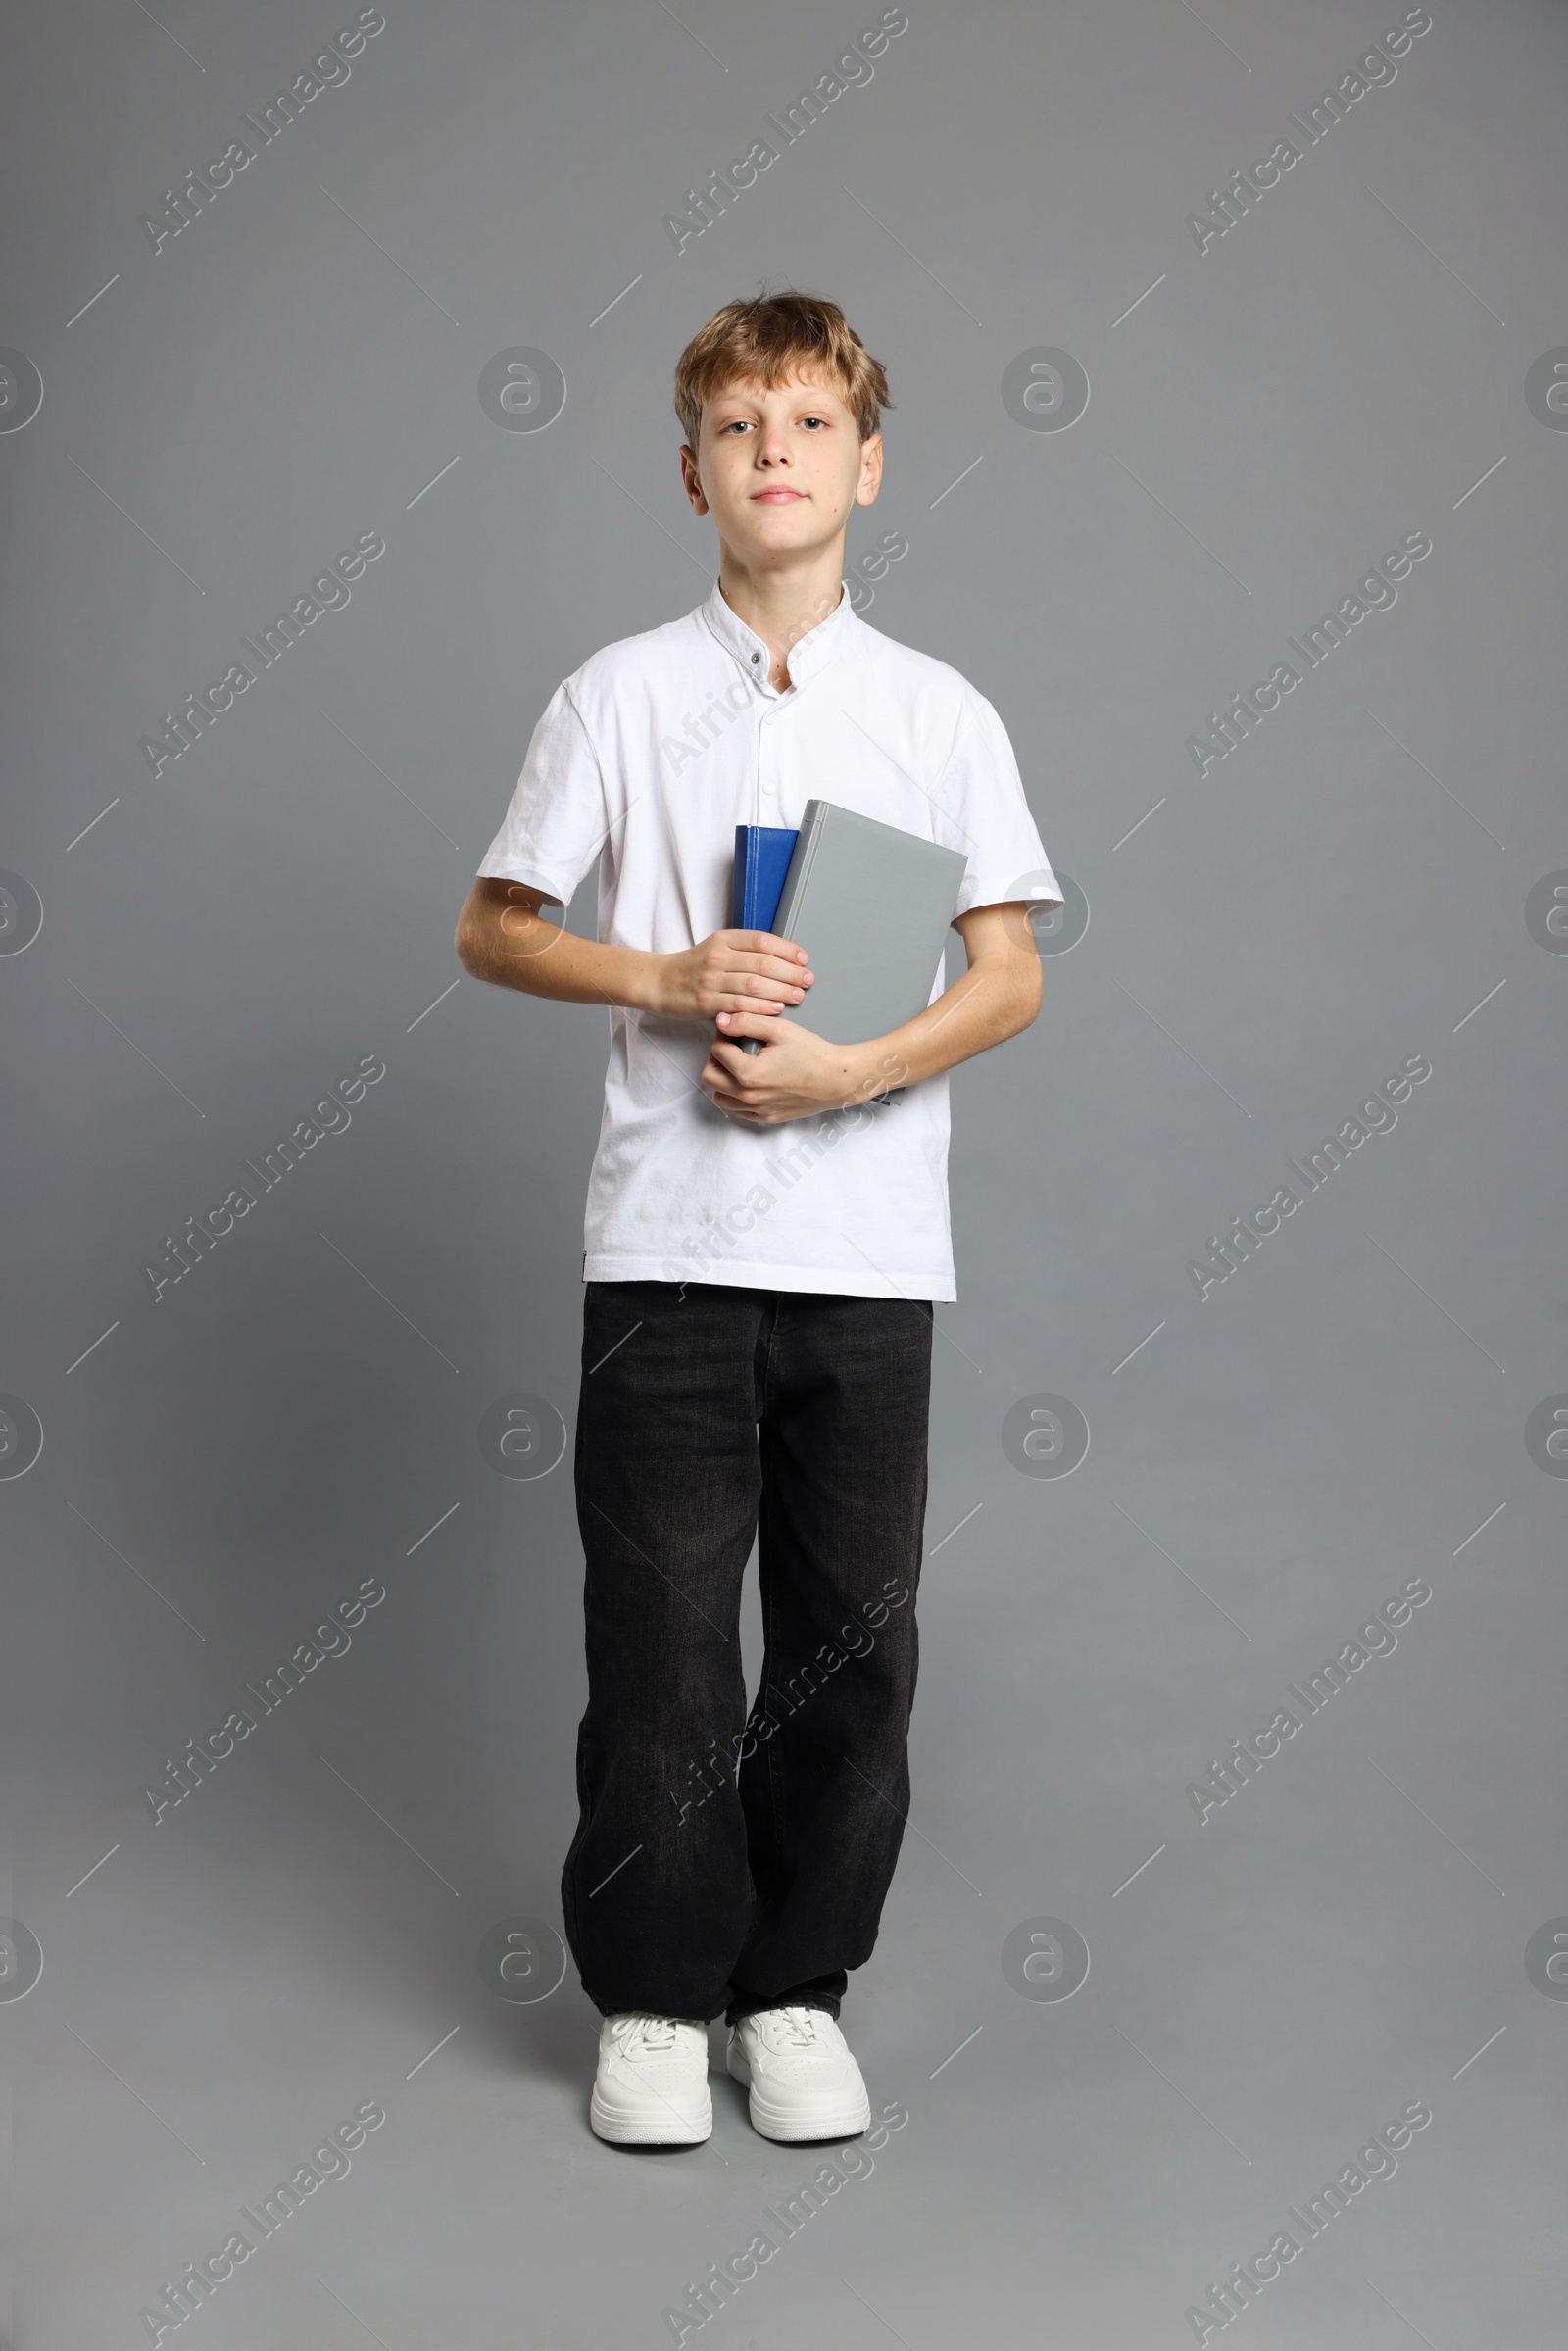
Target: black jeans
pixel 726 1862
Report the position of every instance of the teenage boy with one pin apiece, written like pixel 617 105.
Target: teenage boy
pixel 758 1307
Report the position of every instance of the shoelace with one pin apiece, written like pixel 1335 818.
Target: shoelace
pixel 653 2032
pixel 803 2026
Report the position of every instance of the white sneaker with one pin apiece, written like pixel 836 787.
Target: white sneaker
pixel 805 2084
pixel 651 2088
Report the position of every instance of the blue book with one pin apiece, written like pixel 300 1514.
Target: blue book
pixel 763 854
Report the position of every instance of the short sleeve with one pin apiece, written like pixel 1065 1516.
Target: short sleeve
pixel 555 822
pixel 980 808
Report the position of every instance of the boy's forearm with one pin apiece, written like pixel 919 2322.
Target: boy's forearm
pixel 518 948
pixel 990 1002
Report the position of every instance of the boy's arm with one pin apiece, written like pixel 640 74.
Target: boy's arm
pixel 503 937
pixel 799 1074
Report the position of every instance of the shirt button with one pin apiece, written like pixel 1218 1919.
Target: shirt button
pixel 756 658
pixel 767 786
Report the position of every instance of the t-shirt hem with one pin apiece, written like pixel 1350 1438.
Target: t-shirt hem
pixel 937 1285
pixel 997 889
pixel 532 877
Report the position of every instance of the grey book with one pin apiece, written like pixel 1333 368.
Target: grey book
pixel 872 905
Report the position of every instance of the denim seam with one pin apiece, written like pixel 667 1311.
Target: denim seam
pixel 775 1795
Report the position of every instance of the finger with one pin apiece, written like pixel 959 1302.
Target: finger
pixel 773 1032
pixel 739 980
pixel 737 1107
pixel 768 942
pixel 787 971
pixel 759 1022
pixel 736 1069
pixel 762 1007
pixel 723 1086
pixel 759 979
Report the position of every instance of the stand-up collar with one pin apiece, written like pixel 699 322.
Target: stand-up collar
pixel 809 653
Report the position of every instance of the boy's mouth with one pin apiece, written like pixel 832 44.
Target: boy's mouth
pixel 776 495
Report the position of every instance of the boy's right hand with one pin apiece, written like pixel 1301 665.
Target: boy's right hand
pixel 732 971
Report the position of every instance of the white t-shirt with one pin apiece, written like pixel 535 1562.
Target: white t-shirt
pixel 646 758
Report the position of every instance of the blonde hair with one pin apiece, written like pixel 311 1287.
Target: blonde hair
pixel 768 340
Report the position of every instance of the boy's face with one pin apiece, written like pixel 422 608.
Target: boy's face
pixel 779 468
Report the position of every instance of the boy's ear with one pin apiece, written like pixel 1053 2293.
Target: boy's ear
pixel 691 481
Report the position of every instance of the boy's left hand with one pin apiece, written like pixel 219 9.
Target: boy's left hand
pixel 796 1075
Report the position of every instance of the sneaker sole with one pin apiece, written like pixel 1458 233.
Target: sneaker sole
pixel 785 2128
pixel 626 2131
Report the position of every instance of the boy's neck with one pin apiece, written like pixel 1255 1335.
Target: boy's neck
pixel 783 606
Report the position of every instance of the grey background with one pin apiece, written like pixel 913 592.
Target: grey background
pixel 301 1410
